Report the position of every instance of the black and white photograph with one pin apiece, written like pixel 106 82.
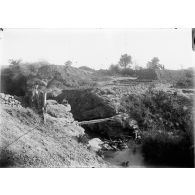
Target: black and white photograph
pixel 97 98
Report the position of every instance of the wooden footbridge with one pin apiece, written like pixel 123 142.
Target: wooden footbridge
pixel 119 116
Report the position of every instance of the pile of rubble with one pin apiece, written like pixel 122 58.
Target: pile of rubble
pixel 10 100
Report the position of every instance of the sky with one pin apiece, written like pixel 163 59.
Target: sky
pixel 98 48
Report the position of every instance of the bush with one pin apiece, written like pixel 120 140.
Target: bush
pixel 163 149
pixel 166 123
pixel 127 72
pixel 13 81
pixel 158 110
pixel 184 83
pixel 114 69
pixel 146 74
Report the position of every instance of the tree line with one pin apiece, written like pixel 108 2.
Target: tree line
pixel 124 68
pixel 125 63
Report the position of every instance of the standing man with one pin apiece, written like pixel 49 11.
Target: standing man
pixel 44 106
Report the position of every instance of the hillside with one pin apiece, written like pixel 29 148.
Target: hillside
pixel 23 77
pixel 87 69
pixel 27 142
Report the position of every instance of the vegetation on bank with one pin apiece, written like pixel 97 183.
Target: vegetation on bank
pixel 166 124
pixel 18 77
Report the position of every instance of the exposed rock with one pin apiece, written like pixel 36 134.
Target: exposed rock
pixel 106 147
pixel 72 129
pixel 7 99
pixel 58 110
pixel 95 144
pixel 59 116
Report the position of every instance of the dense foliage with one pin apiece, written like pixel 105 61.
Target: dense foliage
pixel 146 74
pixel 154 64
pixel 166 123
pixel 186 81
pixel 143 73
pixel 125 60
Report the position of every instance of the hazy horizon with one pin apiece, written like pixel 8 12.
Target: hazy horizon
pixel 98 48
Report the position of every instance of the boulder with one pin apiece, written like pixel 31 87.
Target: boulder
pixel 107 146
pixel 9 100
pixel 2 95
pixel 58 110
pixel 95 144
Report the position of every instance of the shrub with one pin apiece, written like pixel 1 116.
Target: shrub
pixel 158 110
pixel 163 149
pixel 166 123
pixel 185 83
pixel 83 139
pixel 114 69
pixel 146 74
pixel 13 81
pixel 127 72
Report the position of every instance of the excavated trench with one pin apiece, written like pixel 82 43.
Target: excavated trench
pixel 88 106
pixel 100 116
pixel 100 120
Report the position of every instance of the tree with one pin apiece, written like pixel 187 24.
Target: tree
pixel 137 67
pixel 154 64
pixel 68 63
pixel 15 62
pixel 125 60
pixel 114 69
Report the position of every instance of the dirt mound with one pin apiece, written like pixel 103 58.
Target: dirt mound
pixel 69 76
pixel 18 79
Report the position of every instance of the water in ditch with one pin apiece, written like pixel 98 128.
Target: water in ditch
pixel 130 157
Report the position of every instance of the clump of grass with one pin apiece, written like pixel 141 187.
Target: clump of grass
pixel 83 139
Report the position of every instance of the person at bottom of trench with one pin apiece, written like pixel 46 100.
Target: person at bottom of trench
pixel 137 136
